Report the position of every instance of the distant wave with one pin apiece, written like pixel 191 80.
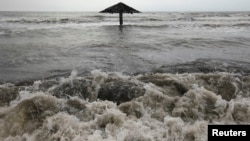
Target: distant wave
pixel 212 25
pixel 242 25
pixel 184 19
pixel 97 16
pixel 61 20
pixel 151 19
pixel 148 26
pixel 4 31
pixel 180 25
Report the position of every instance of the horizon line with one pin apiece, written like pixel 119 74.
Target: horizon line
pixel 141 11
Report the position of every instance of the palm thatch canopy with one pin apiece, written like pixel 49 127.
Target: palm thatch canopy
pixel 120 8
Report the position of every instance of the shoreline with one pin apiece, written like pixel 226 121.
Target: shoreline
pixel 203 66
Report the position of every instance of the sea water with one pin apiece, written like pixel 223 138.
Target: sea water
pixel 161 76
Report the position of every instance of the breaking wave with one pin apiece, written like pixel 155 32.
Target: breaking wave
pixel 242 25
pixel 51 21
pixel 114 106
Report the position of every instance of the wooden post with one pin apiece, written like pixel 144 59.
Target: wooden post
pixel 121 18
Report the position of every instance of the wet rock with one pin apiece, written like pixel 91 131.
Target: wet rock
pixel 7 94
pixel 120 91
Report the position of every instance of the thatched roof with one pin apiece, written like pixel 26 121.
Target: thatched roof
pixel 120 7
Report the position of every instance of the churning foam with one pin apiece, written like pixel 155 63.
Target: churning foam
pixel 116 107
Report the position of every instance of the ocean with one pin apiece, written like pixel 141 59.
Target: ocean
pixel 162 76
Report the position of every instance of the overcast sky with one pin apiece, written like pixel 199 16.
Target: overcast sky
pixel 142 5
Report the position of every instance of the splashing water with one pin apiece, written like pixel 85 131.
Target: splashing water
pixel 118 107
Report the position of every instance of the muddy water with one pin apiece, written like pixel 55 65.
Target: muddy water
pixel 119 107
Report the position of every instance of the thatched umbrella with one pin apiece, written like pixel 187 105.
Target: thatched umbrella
pixel 120 8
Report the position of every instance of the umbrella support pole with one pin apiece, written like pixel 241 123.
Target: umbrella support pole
pixel 120 8
pixel 121 18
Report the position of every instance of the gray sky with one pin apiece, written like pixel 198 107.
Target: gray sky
pixel 142 5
